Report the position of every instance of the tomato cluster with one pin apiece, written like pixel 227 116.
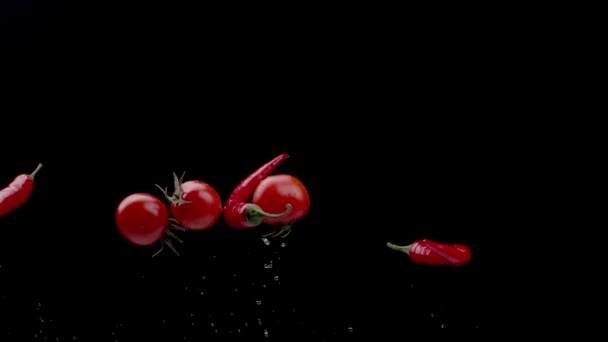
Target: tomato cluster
pixel 277 200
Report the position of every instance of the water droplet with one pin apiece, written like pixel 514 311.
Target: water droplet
pixel 264 285
pixel 35 335
pixel 265 333
pixel 276 278
pixel 191 315
pixel 238 330
pixel 268 265
pixel 233 275
pixel 283 245
pixel 266 241
pixel 246 324
pixel 412 286
pixel 432 315
pixel 204 277
pixel 216 331
pixel 442 325
pixel 232 314
pixel 41 320
pixel 258 302
pixel 350 329
pixel 202 293
pixel 236 290
pixel 193 323
pixel 57 339
pixel 74 338
pixel 212 324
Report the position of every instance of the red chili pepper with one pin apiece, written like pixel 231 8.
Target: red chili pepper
pixel 238 212
pixel 17 192
pixel 429 252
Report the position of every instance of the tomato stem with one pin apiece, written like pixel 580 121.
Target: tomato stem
pixel 176 197
pixel 162 246
pixel 169 244
pixel 33 174
pixel 169 236
pixel 172 235
pixel 164 191
pixel 173 224
pixel 280 232
pixel 404 249
pixel 177 192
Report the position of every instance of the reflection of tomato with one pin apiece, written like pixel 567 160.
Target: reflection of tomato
pixel 203 206
pixel 142 218
pixel 276 191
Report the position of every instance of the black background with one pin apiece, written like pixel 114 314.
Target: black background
pixel 390 130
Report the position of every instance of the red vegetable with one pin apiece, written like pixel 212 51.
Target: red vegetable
pixel 143 219
pixel 195 205
pixel 17 192
pixel 429 252
pixel 277 191
pixel 240 214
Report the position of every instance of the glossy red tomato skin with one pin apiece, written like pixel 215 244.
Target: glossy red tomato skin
pixel 275 191
pixel 142 218
pixel 204 209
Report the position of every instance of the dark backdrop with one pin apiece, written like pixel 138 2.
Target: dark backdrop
pixel 393 145
pixel 67 272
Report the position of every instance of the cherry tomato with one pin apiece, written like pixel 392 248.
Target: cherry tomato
pixel 200 208
pixel 275 191
pixel 142 218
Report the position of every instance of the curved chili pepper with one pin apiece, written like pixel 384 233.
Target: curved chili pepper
pixel 429 252
pixel 17 192
pixel 240 214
